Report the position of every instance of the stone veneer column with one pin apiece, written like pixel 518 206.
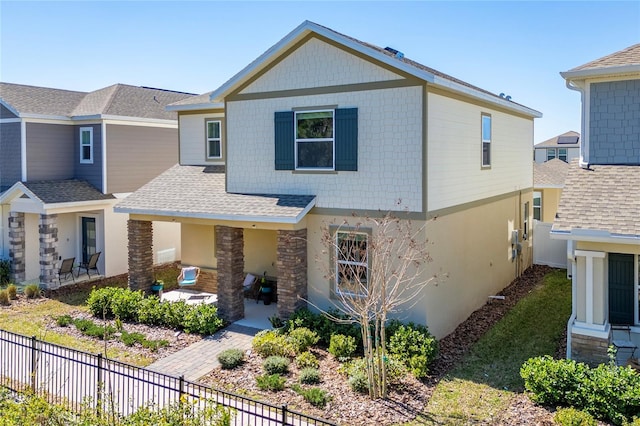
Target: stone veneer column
pixel 17 246
pixel 140 254
pixel 48 231
pixel 230 254
pixel 292 271
pixel 588 349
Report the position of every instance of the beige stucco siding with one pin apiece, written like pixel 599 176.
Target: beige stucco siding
pixel 135 155
pixel 455 175
pixel 198 245
pixel 389 150
pixel 318 64
pixel 472 247
pixel 260 251
pixel 192 139
pixel 550 201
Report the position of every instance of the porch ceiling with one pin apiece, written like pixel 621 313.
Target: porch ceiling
pixel 199 192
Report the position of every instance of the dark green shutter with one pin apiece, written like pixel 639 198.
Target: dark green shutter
pixel 621 288
pixel 346 138
pixel 284 158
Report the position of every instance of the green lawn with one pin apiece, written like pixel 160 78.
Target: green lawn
pixel 481 387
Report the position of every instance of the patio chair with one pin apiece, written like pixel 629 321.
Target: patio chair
pixel 66 269
pixel 251 286
pixel 188 276
pixel 90 265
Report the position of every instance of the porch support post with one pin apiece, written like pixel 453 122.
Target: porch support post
pixel 48 231
pixel 230 254
pixel 140 254
pixel 292 271
pixel 17 246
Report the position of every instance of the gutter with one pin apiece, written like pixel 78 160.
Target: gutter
pixel 584 143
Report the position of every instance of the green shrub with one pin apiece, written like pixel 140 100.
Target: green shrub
pixel 64 320
pixel 269 342
pixel 4 298
pixel 416 346
pixel 553 382
pixel 99 302
pixel 314 396
pixel 276 364
pixel 301 338
pixel 202 319
pixel 12 290
pixel 309 376
pixel 91 329
pixel 231 358
pixel 130 339
pixel 634 422
pixel 394 366
pixel 573 417
pixel 151 311
pixel 307 360
pixel 32 291
pixel 125 304
pixel 154 345
pixel 5 271
pixel 174 313
pixel 325 327
pixel 342 347
pixel 271 382
pixel 358 382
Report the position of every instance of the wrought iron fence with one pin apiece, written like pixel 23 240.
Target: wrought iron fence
pixel 80 380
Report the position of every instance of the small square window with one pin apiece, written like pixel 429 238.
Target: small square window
pixel 214 139
pixel 486 140
pixel 86 145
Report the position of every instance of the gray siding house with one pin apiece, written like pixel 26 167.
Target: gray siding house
pixel 66 158
pixel 599 211
pixel 564 147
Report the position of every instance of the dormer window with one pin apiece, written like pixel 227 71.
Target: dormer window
pixel 214 139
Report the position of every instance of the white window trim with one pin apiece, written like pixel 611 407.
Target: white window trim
pixel 566 154
pixel 90 159
pixel 537 195
pixel 555 153
pixel 219 140
pixel 337 261
pixel 332 140
pixel 485 141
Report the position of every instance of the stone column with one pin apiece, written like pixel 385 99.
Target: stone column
pixel 48 231
pixel 17 246
pixel 230 254
pixel 292 271
pixel 589 349
pixel 140 254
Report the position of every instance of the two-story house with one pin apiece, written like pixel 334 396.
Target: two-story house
pixel 599 211
pixel 66 158
pixel 564 147
pixel 323 127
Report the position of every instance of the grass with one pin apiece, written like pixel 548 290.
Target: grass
pixel 481 387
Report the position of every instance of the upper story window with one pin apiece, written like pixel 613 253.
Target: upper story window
pixel 317 140
pixel 86 145
pixel 352 262
pixel 314 140
pixel 562 154
pixel 551 153
pixel 214 139
pixel 486 140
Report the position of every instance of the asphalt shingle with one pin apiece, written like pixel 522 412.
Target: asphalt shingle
pixel 65 191
pixel 553 142
pixel 628 56
pixel 550 174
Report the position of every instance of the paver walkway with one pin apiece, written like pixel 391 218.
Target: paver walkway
pixel 198 359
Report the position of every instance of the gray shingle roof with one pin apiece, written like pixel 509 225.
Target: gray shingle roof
pixel 553 142
pixel 603 198
pixel 118 100
pixel 550 174
pixel 65 191
pixel 628 56
pixel 199 192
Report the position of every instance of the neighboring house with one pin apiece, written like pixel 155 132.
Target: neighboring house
pixel 321 127
pixel 66 158
pixel 548 182
pixel 599 212
pixel 565 147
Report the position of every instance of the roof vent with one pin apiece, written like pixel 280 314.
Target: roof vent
pixel 395 52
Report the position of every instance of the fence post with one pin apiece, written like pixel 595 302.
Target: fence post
pixel 181 385
pixel 284 414
pixel 34 363
pixel 99 387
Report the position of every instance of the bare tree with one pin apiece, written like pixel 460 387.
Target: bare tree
pixel 377 267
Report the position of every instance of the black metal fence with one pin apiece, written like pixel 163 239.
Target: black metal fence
pixel 79 381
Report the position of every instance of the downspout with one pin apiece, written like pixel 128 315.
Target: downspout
pixel 574 295
pixel 584 152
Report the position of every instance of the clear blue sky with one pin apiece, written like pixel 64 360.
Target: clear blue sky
pixel 513 47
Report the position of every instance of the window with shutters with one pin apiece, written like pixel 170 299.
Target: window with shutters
pixel 314 145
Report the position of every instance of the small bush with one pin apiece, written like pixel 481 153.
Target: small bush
pixel 202 319
pixel 309 376
pixel 32 291
pixel 269 342
pixel 394 366
pixel 64 320
pixel 573 417
pixel 307 360
pixel 276 365
pixel 174 313
pixel 301 338
pixel 231 358
pixel 91 329
pixel 416 346
pixel 151 311
pixel 99 302
pixel 125 304
pixel 271 382
pixel 12 290
pixel 5 271
pixel 553 382
pixel 4 298
pixel 314 396
pixel 154 345
pixel 358 382
pixel 342 347
pixel 325 327
pixel 130 339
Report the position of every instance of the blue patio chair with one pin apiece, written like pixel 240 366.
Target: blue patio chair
pixel 188 276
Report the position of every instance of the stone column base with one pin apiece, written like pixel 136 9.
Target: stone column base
pixel 588 349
